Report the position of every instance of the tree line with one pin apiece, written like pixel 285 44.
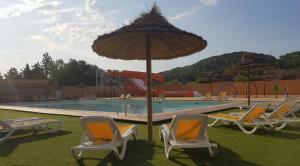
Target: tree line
pixel 57 71
pixel 213 68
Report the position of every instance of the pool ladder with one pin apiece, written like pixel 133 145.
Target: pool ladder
pixel 125 105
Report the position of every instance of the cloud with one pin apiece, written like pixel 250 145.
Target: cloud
pixel 51 45
pixel 25 6
pixel 209 2
pixel 179 16
pixel 79 25
pixel 61 25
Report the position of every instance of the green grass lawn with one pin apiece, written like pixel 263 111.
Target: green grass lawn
pixel 274 148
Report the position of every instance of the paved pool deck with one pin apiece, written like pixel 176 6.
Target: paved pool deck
pixel 157 117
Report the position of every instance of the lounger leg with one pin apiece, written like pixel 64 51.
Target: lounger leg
pixel 293 115
pixel 135 133
pixel 7 135
pixel 213 123
pixel 169 151
pixel 166 143
pixel 281 126
pixel 121 155
pixel 245 130
pixel 212 149
pixel 268 127
pixel 161 134
pixel 49 130
pixel 77 156
pixel 116 152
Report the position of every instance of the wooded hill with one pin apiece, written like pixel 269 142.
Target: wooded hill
pixel 216 67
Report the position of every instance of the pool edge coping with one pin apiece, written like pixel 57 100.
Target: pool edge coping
pixel 156 117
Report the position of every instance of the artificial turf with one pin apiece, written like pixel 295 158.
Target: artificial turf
pixel 272 148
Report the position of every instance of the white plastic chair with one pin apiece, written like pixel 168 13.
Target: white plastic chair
pixel 251 118
pixel 187 131
pixel 101 133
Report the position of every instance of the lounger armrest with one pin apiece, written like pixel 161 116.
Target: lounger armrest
pixel 5 126
pixel 84 138
pixel 130 131
pixel 166 130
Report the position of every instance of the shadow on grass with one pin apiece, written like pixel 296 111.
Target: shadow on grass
pixel 141 154
pixel 26 136
pixel 265 132
pixel 201 156
pixel 137 153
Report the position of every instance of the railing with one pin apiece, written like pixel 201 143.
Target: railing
pixel 125 103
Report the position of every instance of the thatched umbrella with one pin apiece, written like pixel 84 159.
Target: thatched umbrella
pixel 150 36
pixel 250 62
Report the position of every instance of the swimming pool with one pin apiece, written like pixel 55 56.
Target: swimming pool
pixel 131 106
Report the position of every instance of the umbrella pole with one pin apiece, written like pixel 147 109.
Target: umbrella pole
pixel 249 88
pixel 149 88
pixel 211 88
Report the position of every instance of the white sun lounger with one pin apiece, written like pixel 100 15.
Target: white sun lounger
pixel 283 114
pixel 251 118
pixel 101 133
pixel 9 126
pixel 187 131
pixel 127 97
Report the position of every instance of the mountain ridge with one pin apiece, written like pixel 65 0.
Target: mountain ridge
pixel 216 67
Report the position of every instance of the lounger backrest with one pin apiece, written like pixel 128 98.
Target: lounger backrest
pixel 188 127
pixel 253 113
pixel 122 96
pixel 127 96
pixel 208 95
pixel 223 94
pixel 280 111
pixel 99 128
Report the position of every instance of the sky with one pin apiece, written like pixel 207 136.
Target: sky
pixel 66 29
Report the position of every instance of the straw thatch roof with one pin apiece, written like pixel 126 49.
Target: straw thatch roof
pixel 167 41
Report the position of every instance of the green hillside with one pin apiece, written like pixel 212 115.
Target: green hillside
pixel 217 67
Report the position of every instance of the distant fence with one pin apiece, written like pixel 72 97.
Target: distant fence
pixel 23 90
pixel 73 92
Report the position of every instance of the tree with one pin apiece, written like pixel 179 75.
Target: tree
pixel 57 71
pixel 276 89
pixel 38 72
pixel 48 66
pixel 13 74
pixel 26 72
pixel 289 60
pixel 75 72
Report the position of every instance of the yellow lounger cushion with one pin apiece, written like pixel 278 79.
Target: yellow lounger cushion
pixel 188 129
pixel 208 95
pixel 225 116
pixel 254 114
pixel 280 112
pixel 100 130
pixel 223 94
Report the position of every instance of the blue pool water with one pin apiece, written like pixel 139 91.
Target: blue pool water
pixel 132 106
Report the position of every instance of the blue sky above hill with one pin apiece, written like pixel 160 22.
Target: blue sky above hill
pixel 66 29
